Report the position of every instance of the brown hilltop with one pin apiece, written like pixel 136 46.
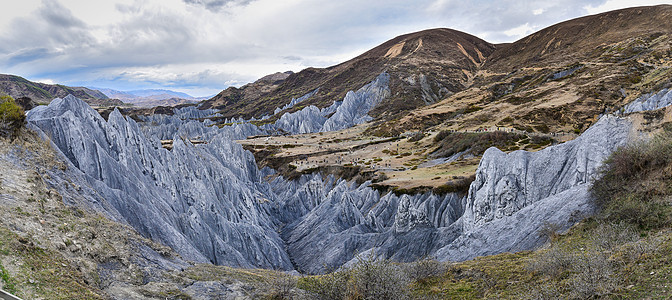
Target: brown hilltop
pixel 581 38
pixel 424 66
pixel 560 78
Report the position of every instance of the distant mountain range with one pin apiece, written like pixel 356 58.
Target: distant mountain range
pixel 35 92
pixel 29 91
pixel 151 97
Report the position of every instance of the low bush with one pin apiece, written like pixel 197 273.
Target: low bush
pixel 455 142
pixel 424 269
pixel 282 286
pixel 586 270
pixel 12 117
pixel 634 183
pixel 368 278
pixel 416 137
pixel 458 185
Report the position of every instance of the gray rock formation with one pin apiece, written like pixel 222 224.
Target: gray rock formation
pixel 204 201
pixel 516 194
pixel 330 222
pixel 352 110
pixel 505 183
pixel 295 101
pixel 210 202
pixel 650 102
pixel 356 105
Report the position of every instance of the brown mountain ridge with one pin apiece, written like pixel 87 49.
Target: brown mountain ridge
pixel 424 66
pixel 559 78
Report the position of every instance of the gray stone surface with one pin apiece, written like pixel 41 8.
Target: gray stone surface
pixel 328 223
pixel 505 183
pixel 514 195
pixel 204 201
pixel 209 202
pixel 295 101
pixel 650 102
pixel 352 110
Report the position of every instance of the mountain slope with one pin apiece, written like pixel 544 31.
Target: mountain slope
pixel 581 38
pixel 19 87
pixel 558 79
pixel 424 67
pixel 561 78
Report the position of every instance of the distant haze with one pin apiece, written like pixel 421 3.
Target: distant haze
pixel 200 47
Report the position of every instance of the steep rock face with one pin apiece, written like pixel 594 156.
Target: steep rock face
pixel 204 201
pixel 330 222
pixel 356 105
pixel 515 194
pixel 309 119
pixel 650 102
pixel 295 101
pixel 505 183
pixel 209 201
pixel 521 230
pixel 352 110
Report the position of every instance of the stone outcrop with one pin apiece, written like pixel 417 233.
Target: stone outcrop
pixel 204 201
pixel 352 110
pixel 328 223
pixel 295 101
pixel 651 101
pixel 211 203
pixel 505 183
pixel 514 195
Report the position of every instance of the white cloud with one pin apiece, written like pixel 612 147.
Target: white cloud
pixel 520 31
pixel 618 4
pixel 210 44
pixel 45 81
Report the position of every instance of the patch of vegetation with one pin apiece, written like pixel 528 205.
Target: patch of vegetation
pixel 416 137
pixel 40 272
pixel 411 191
pixel 636 183
pixel 455 142
pixel 515 100
pixel 507 120
pixel 12 116
pixel 543 128
pixel 7 282
pixel 460 185
pixel 368 278
pixel 536 142
pixel 472 108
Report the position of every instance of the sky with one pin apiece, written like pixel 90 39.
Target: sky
pixel 201 47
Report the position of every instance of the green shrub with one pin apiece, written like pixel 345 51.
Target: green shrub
pixel 368 278
pixel 454 142
pixel 458 185
pixel 425 268
pixel 634 183
pixel 12 117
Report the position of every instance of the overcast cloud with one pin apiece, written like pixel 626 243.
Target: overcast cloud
pixel 203 46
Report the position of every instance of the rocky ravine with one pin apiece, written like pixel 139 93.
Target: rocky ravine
pixel 210 203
